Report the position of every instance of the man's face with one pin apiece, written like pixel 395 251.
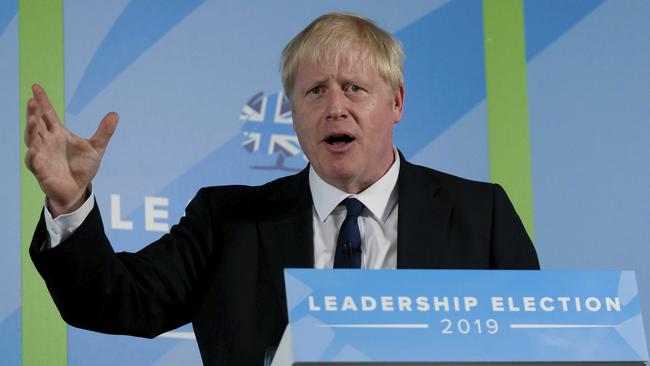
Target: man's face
pixel 344 118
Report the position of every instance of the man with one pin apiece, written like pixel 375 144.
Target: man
pixel 221 266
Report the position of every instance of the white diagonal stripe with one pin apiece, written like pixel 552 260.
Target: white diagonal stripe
pixel 559 326
pixel 404 326
pixel 178 335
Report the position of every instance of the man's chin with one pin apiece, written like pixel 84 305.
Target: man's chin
pixel 343 176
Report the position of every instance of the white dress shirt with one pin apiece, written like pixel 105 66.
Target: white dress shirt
pixel 61 227
pixel 377 223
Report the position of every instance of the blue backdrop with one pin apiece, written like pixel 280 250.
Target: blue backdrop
pixel 198 91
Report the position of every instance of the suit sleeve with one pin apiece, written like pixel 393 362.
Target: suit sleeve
pixel 511 247
pixel 141 294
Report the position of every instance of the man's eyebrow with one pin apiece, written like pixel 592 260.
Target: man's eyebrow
pixel 310 83
pixel 318 80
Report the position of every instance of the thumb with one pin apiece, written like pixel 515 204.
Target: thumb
pixel 104 132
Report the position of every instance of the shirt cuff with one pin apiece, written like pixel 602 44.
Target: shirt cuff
pixel 63 226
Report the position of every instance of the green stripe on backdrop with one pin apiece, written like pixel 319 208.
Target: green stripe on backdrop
pixel 507 103
pixel 41 60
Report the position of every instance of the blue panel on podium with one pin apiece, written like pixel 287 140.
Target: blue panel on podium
pixel 464 316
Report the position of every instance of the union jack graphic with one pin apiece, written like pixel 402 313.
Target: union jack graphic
pixel 267 130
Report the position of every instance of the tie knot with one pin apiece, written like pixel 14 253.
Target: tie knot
pixel 353 207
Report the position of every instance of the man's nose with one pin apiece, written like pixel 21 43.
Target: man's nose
pixel 336 105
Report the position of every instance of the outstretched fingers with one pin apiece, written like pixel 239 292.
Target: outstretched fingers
pixel 33 137
pixel 42 100
pixel 35 128
pixel 44 108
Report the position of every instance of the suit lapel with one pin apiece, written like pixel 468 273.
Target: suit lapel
pixel 287 233
pixel 423 224
pixel 423 221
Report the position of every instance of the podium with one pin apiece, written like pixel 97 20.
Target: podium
pixel 461 317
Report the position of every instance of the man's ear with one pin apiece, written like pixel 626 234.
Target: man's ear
pixel 398 103
pixel 292 110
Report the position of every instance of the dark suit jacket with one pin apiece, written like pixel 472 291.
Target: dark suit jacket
pixel 221 266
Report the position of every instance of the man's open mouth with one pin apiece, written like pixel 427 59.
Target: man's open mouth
pixel 339 138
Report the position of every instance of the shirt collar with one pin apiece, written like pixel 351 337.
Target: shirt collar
pixel 379 198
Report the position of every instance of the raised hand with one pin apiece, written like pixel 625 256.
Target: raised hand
pixel 64 164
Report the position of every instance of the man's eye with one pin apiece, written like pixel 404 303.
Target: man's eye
pixel 354 88
pixel 315 90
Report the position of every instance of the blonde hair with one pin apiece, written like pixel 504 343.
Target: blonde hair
pixel 330 36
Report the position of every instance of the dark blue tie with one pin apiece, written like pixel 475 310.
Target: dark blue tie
pixel 348 245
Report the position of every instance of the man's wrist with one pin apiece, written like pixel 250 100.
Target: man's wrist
pixel 57 209
pixel 65 225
